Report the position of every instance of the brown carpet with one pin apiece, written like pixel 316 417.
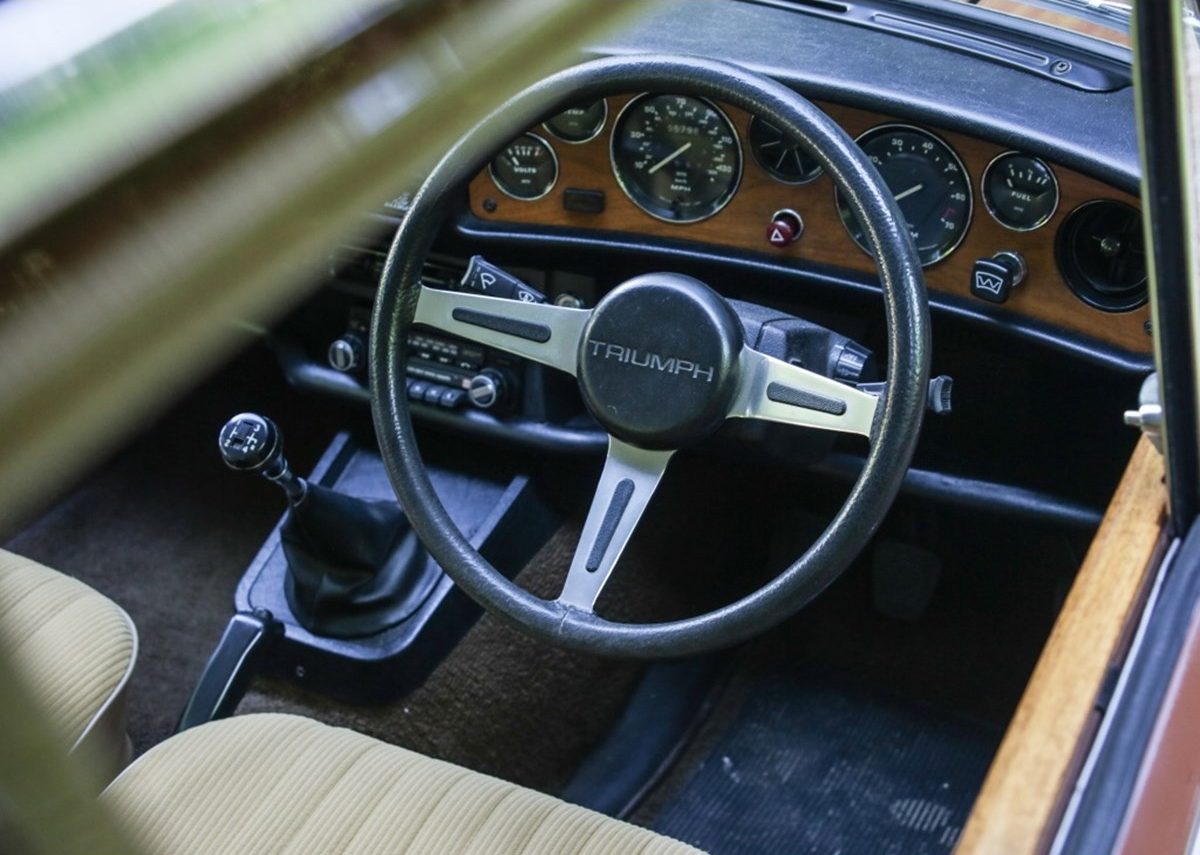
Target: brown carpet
pixel 164 529
pixel 507 705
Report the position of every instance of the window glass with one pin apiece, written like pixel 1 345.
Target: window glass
pixel 1106 20
pixel 1190 122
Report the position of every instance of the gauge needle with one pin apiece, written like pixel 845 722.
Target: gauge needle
pixel 916 188
pixel 669 158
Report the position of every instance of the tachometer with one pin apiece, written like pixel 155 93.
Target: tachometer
pixel 677 158
pixel 929 182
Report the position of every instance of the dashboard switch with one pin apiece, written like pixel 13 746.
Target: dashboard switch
pixel 785 229
pixel 993 279
pixel 583 201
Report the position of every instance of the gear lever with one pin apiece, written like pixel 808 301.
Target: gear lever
pixel 252 443
pixel 355 567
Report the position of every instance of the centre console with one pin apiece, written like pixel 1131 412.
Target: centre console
pixel 452 383
pixel 356 652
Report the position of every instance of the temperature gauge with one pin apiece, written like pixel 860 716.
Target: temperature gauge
pixel 1020 191
pixel 526 169
pixel 579 123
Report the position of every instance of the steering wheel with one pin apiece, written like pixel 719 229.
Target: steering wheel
pixel 661 362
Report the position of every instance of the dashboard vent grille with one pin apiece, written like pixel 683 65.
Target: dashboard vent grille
pixel 1102 255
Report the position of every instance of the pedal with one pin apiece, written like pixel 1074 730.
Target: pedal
pixel 903 579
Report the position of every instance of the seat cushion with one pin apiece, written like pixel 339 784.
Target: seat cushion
pixel 275 784
pixel 76 649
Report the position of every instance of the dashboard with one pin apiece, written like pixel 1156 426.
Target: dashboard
pixel 1040 378
pixel 1014 232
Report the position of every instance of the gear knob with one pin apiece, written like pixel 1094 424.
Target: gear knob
pixel 252 443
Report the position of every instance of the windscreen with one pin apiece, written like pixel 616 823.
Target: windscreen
pixel 1105 20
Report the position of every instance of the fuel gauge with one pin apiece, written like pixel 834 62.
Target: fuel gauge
pixel 1020 191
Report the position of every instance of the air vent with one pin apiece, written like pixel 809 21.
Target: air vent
pixel 781 157
pixel 1102 255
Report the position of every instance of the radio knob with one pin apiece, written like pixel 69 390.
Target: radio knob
pixel 346 353
pixel 486 389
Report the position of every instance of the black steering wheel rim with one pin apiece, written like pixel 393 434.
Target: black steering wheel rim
pixel 898 417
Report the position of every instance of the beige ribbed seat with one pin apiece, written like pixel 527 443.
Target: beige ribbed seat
pixel 284 785
pixel 76 650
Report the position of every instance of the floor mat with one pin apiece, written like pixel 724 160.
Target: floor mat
pixel 813 765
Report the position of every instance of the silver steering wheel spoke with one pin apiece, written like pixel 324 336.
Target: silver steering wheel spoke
pixel 538 331
pixel 776 391
pixel 630 478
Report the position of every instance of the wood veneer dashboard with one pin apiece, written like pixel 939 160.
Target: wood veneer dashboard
pixel 743 222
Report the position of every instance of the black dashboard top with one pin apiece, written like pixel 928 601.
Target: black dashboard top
pixel 1093 132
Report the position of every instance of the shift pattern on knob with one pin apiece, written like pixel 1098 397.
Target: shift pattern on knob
pixel 249 441
pixel 252 443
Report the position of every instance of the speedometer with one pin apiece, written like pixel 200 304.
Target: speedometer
pixel 677 158
pixel 929 182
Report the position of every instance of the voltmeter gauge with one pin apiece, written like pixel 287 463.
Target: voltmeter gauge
pixel 579 123
pixel 1020 191
pixel 526 168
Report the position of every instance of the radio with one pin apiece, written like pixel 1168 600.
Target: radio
pixel 446 372
pixel 442 371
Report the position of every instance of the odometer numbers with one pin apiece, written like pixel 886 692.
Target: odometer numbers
pixel 676 157
pixel 930 185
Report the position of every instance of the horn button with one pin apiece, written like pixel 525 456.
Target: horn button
pixel 658 360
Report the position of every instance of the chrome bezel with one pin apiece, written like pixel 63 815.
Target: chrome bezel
pixel 737 143
pixel 987 204
pixel 1072 285
pixel 599 128
pixel 553 156
pixel 900 126
pixel 753 153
